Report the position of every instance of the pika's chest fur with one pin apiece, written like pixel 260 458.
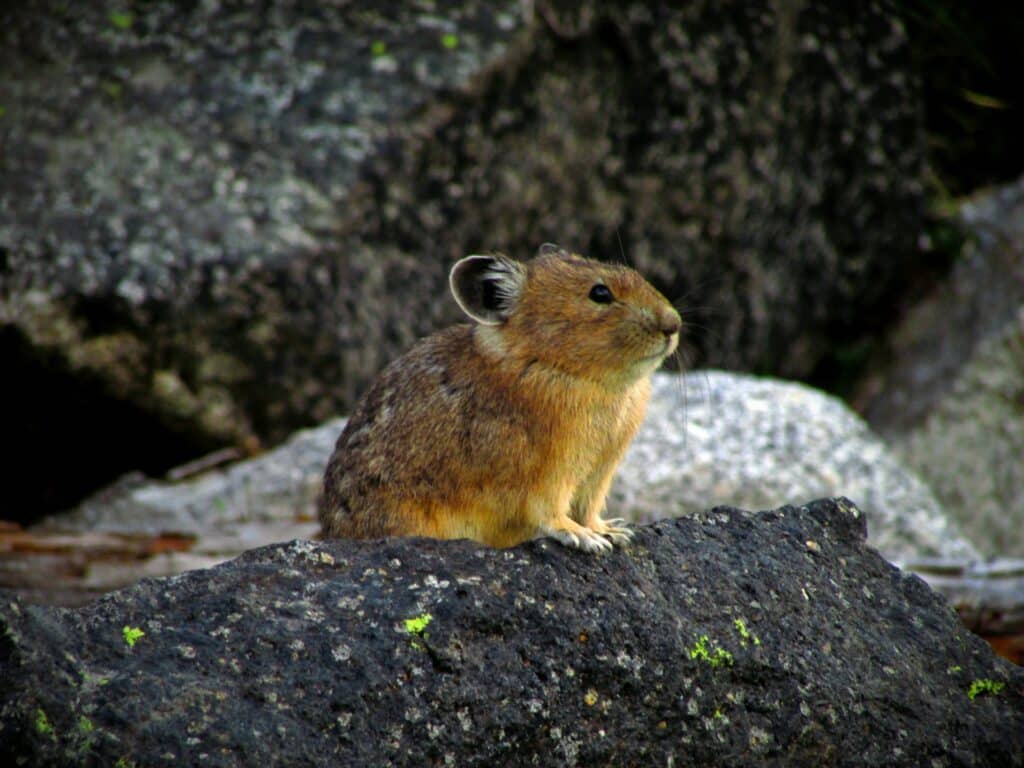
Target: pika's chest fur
pixel 586 427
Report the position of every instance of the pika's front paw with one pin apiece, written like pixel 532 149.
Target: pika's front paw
pixel 581 538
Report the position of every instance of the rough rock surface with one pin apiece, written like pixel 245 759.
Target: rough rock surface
pixel 220 220
pixel 725 639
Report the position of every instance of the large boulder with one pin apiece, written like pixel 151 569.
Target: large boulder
pixel 729 638
pixel 218 221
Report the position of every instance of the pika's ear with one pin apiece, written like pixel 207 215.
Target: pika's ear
pixel 487 287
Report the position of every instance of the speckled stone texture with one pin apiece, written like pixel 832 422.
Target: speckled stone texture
pixel 727 639
pixel 713 437
pixel 219 220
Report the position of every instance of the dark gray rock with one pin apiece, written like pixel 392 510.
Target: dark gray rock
pixel 728 639
pixel 950 396
pixel 978 301
pixel 218 221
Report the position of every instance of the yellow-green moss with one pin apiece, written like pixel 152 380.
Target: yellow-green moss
pixel 131 635
pixel 745 634
pixel 716 657
pixel 43 725
pixel 983 686
pixel 417 624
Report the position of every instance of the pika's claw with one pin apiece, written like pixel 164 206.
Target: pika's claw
pixel 595 542
pixel 619 535
pixel 614 529
pixel 568 538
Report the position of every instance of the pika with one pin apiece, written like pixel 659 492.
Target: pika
pixel 511 427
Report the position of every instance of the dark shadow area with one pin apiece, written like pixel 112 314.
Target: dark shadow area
pixel 66 437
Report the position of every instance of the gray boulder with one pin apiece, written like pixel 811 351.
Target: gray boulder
pixel 950 400
pixel 970 448
pixel 729 638
pixel 218 222
pixel 722 438
pixel 978 301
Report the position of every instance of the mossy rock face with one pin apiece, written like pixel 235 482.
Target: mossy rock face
pixel 261 205
pixel 730 638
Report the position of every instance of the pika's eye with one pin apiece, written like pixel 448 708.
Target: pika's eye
pixel 602 294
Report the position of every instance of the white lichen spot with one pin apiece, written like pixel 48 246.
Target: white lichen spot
pixel 533 706
pixel 465 721
pixel 187 651
pixel 341 653
pixel 435 731
pixel 344 719
pixel 327 558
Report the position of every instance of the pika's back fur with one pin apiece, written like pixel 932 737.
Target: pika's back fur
pixel 510 428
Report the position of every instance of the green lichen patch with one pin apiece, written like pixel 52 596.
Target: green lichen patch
pixel 378 48
pixel 716 657
pixel 984 686
pixel 417 624
pixel 121 20
pixel 131 635
pixel 745 634
pixel 450 41
pixel 43 725
pixel 85 725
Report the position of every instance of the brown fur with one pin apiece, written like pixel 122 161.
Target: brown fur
pixel 507 431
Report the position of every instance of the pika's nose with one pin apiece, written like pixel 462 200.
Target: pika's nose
pixel 670 324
